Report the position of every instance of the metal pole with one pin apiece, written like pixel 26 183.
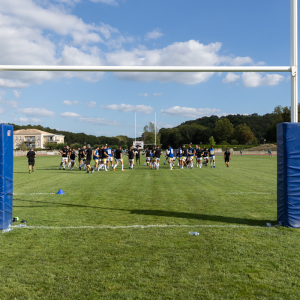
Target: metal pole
pixel 135 127
pixel 294 62
pixel 146 68
pixel 155 129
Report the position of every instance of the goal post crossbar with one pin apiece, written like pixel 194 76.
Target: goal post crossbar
pixel 146 68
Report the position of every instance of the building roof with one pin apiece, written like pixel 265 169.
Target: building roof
pixel 32 131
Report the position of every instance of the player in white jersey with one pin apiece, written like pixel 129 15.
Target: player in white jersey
pixel 212 156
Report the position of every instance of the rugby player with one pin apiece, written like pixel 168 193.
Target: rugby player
pixel 131 157
pixel 191 153
pixel 119 158
pixel 152 158
pixel 205 157
pixel 227 157
pixel 137 155
pixel 72 158
pixel 100 161
pixel 89 153
pixel 184 156
pixel 96 157
pixel 64 154
pixel 212 156
pixel 167 156
pixel 148 156
pixel 170 157
pixel 157 157
pixel 180 158
pixel 31 157
pixel 109 157
pixel 199 154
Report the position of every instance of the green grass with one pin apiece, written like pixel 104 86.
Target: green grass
pixel 247 261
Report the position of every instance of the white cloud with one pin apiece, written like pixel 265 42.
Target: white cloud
pixel 17 93
pixel 8 83
pixel 157 94
pixel 37 112
pixel 128 107
pixel 153 35
pixel 91 104
pixel 189 112
pixel 21 120
pixel 100 121
pixel 191 53
pixel 11 103
pixel 36 120
pixel 143 95
pixel 76 102
pixel 25 120
pixel 67 102
pixel 109 2
pixel 257 79
pixel 231 77
pixel 69 115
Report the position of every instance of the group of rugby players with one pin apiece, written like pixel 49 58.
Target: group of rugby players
pixel 185 157
pixel 104 156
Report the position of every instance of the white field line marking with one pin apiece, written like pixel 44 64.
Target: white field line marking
pixel 34 193
pixel 258 193
pixel 137 226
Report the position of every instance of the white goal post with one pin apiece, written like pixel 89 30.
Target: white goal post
pixel 293 68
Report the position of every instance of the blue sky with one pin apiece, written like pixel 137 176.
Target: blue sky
pixel 140 32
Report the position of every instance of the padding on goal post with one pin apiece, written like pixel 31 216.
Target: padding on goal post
pixel 288 174
pixel 6 175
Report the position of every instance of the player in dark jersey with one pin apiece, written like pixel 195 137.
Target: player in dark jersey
pixel 184 156
pixel 89 153
pixel 100 161
pixel 148 157
pixel 152 158
pixel 31 157
pixel 198 154
pixel 64 153
pixel 227 157
pixel 137 155
pixel 205 157
pixel 191 153
pixel 119 158
pixel 157 157
pixel 131 157
pixel 72 158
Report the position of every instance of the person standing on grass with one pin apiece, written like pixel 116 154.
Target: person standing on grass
pixel 198 153
pixel 157 157
pixel 31 157
pixel 137 155
pixel 191 153
pixel 148 154
pixel 109 157
pixel 72 158
pixel 205 157
pixel 64 153
pixel 119 158
pixel 184 156
pixel 131 157
pixel 89 153
pixel 96 157
pixel 212 156
pixel 227 157
pixel 170 157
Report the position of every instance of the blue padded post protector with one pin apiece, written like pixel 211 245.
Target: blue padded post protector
pixel 288 174
pixel 6 175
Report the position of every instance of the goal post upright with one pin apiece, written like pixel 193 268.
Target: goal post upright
pixel 294 61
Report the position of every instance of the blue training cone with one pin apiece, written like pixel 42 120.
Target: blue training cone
pixel 60 192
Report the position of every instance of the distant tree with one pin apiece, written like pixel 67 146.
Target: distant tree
pixel 223 130
pixel 212 141
pixel 148 135
pixel 23 147
pixel 243 134
pixel 234 142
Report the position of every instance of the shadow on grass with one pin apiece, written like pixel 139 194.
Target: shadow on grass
pixel 158 213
